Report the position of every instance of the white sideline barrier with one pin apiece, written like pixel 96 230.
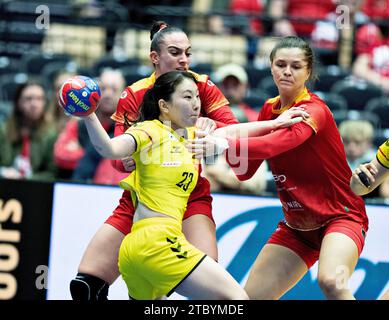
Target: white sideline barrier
pixel 79 210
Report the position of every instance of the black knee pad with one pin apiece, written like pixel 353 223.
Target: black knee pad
pixel 86 287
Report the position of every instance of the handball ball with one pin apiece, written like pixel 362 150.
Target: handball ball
pixel 79 96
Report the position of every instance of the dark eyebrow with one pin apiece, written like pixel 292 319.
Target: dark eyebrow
pixel 179 49
pixel 295 61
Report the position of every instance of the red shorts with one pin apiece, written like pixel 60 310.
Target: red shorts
pixel 200 202
pixel 307 244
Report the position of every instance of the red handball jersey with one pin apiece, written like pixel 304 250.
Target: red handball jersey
pixel 214 105
pixel 309 166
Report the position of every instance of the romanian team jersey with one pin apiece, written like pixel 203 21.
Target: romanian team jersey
pixel 312 178
pixel 213 103
pixel 166 172
pixel 383 154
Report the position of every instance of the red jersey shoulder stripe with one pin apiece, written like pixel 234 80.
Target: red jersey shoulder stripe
pixel 143 84
pixel 318 102
pixel 199 77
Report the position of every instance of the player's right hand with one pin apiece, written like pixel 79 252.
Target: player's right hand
pixel 291 116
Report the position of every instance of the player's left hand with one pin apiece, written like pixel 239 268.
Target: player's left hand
pixel 207 146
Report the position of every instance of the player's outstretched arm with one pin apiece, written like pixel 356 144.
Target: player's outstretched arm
pixel 259 128
pixel 115 148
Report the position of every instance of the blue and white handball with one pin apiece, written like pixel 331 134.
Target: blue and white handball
pixel 79 96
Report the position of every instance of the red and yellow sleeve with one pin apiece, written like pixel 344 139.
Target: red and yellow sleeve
pixel 317 114
pixel 257 149
pixel 272 144
pixel 127 108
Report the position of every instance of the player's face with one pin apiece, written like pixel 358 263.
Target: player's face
pixel 290 71
pixel 174 54
pixel 233 89
pixel 184 107
pixel 32 102
pixel 356 147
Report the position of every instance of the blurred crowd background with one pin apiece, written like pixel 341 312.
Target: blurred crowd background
pixel 42 43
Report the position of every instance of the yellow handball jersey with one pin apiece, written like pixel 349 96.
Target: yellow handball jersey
pixel 166 172
pixel 383 154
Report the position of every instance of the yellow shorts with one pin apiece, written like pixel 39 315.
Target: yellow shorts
pixel 155 257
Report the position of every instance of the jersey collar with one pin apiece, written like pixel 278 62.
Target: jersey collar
pixel 303 96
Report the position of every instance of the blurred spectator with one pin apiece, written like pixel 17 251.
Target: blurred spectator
pixel 69 148
pixel 252 8
pixel 372 61
pixel 216 23
pixel 357 136
pixel 325 34
pixel 56 113
pixel 316 20
pixel 27 138
pixel 232 80
pixel 376 9
pixel 74 154
pixel 326 30
pixel 240 17
pixel 5 110
pixel 287 14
